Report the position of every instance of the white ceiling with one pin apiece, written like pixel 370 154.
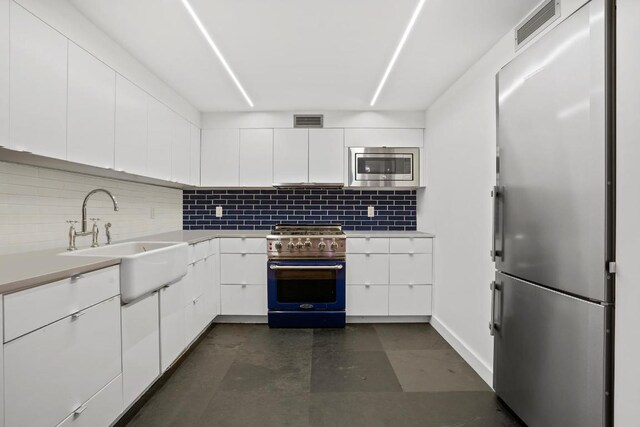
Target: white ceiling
pixel 304 55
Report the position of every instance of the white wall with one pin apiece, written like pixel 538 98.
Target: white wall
pixel 460 141
pixel 332 119
pixel 627 347
pixel 61 15
pixel 36 202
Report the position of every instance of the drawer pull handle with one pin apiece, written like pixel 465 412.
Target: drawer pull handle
pixel 77 277
pixel 77 314
pixel 80 410
pixel 367 286
pixel 411 285
pixel 244 285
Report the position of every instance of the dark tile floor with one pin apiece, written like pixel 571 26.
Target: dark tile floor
pixel 363 375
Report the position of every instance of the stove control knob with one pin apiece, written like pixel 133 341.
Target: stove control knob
pixel 291 245
pixel 334 245
pixel 307 244
pixel 299 245
pixel 322 246
pixel 278 246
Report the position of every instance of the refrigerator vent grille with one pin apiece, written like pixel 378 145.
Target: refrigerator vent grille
pixel 537 21
pixel 308 120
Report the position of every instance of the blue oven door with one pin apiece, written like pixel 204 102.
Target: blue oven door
pixel 306 285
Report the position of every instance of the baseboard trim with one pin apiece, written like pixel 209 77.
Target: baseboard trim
pixel 240 319
pixel 388 319
pixel 485 372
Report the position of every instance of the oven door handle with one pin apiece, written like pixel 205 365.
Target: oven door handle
pixel 306 267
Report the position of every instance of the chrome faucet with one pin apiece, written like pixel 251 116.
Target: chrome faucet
pixel 94 229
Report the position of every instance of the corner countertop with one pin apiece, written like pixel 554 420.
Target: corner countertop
pixel 30 269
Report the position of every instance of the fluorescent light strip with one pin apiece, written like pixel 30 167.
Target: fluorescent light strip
pixel 209 40
pixel 394 58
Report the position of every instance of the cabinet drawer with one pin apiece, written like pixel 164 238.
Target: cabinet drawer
pixel 247 269
pixel 363 269
pixel 411 245
pixel 242 245
pixel 410 300
pixel 172 324
pixel 410 269
pixel 365 245
pixel 196 317
pixel 243 300
pixel 198 251
pixel 367 300
pixel 28 310
pixel 50 372
pixel 101 410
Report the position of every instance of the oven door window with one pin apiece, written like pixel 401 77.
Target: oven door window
pixel 306 286
pixel 367 165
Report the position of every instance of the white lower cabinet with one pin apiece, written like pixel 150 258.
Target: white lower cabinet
pixel 243 300
pixel 368 269
pixel 243 269
pixel 140 346
pixel 172 323
pixel 367 300
pixel 51 372
pixel 410 269
pixel 410 300
pixel 101 410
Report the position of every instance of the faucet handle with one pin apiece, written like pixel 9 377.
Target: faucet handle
pixel 94 219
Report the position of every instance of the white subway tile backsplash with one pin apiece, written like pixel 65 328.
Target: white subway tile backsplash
pixel 36 202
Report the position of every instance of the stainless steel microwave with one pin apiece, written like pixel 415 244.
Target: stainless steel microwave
pixel 384 167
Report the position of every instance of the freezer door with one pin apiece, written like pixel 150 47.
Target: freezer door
pixel 551 159
pixel 549 355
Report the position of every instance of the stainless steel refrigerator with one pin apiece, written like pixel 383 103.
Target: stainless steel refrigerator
pixel 554 201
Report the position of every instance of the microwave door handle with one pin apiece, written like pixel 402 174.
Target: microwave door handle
pixel 306 267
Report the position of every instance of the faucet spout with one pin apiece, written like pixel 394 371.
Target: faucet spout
pixel 86 199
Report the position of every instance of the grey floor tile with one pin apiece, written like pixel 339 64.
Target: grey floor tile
pixel 263 338
pixel 344 371
pixel 434 371
pixel 410 336
pixel 359 337
pixel 469 409
pixel 234 409
pixel 229 336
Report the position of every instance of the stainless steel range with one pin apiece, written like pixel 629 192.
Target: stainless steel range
pixel 306 273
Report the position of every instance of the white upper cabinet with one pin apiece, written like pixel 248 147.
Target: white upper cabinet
pixel 160 138
pixel 383 137
pixel 4 74
pixel 38 86
pixel 131 127
pixel 180 150
pixel 220 158
pixel 290 155
pixel 194 155
pixel 326 155
pixel 91 109
pixel 256 157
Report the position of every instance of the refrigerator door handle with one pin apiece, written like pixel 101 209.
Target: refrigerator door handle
pixel 492 324
pixel 495 194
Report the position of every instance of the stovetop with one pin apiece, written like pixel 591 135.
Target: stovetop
pixel 295 241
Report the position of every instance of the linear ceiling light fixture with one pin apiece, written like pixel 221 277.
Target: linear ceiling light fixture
pixel 394 58
pixel 209 40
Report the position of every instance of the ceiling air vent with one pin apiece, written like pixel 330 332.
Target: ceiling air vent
pixel 537 21
pixel 308 120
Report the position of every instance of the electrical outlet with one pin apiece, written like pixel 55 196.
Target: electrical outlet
pixel 218 211
pixel 371 212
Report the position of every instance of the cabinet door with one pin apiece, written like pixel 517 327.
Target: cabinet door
pixel 290 155
pixel 140 346
pixel 38 88
pixel 367 269
pixel 180 150
pixel 131 127
pixel 256 157
pixel 160 138
pixel 410 269
pixel 91 109
pixel 101 410
pixel 220 158
pixel 172 323
pixel 246 300
pixel 367 300
pixel 410 300
pixel 243 269
pixel 326 155
pixel 52 371
pixel 243 245
pixel 194 151
pixel 5 54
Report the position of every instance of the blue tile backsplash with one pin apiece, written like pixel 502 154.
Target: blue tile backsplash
pixel 262 209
